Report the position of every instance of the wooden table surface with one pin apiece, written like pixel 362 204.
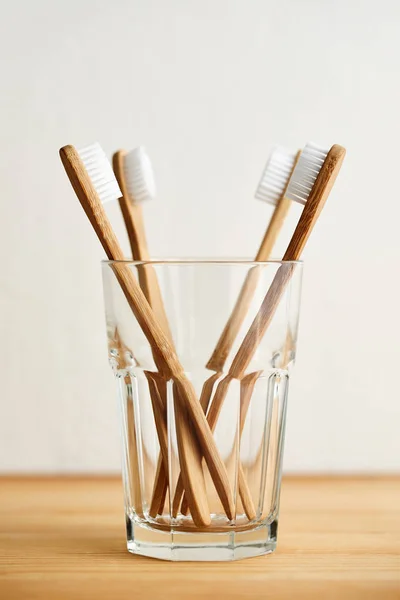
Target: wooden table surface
pixel 64 538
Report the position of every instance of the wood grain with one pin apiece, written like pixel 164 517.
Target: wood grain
pixel 242 305
pixel 246 389
pixel 158 395
pixel 212 418
pixel 164 354
pixel 315 203
pixel 205 397
pixel 232 327
pixel 131 211
pixel 97 216
pixel 64 539
pixel 193 482
pixel 159 405
pixel 212 457
pixel 275 225
pixel 134 223
pixel 231 330
pixel 133 217
pixel 160 489
pixel 245 494
pixel 132 454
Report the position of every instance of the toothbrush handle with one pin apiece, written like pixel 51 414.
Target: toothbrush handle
pixel 273 229
pixel 224 345
pixel 315 203
pixel 246 389
pixel 235 321
pixel 158 341
pixel 318 196
pixel 96 214
pixel 134 223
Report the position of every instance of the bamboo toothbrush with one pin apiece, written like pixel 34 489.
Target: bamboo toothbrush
pixel 134 173
pixel 310 184
pixel 135 177
pixel 131 457
pixel 271 189
pixel 93 181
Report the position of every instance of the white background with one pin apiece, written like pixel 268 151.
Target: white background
pixel 208 87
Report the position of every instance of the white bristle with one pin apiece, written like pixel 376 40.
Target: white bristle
pixel 139 176
pixel 100 172
pixel 275 176
pixel 304 175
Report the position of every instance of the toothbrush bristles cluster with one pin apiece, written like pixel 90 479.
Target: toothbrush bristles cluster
pixel 276 175
pixel 305 173
pixel 100 172
pixel 139 176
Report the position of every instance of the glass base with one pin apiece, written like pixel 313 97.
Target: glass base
pixel 203 546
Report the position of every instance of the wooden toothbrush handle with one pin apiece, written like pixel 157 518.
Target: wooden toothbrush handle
pixel 96 214
pixel 261 322
pixel 193 482
pixel 214 462
pixel 131 212
pixel 159 342
pixel 130 420
pixel 193 479
pixel 150 286
pixel 224 345
pixel 157 389
pixel 239 312
pixel 274 227
pixel 133 217
pixel 188 448
pixel 246 389
pixel 133 463
pixel 318 196
pixel 235 321
pixel 179 500
pixel 160 488
pixel 316 202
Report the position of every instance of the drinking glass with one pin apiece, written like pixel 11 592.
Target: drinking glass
pixel 202 300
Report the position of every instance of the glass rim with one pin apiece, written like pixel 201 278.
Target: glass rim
pixel 203 261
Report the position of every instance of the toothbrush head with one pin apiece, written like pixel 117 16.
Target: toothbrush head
pixel 276 175
pixel 100 172
pixel 306 172
pixel 139 176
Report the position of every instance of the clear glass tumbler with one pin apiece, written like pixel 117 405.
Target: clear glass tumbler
pixel 239 366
